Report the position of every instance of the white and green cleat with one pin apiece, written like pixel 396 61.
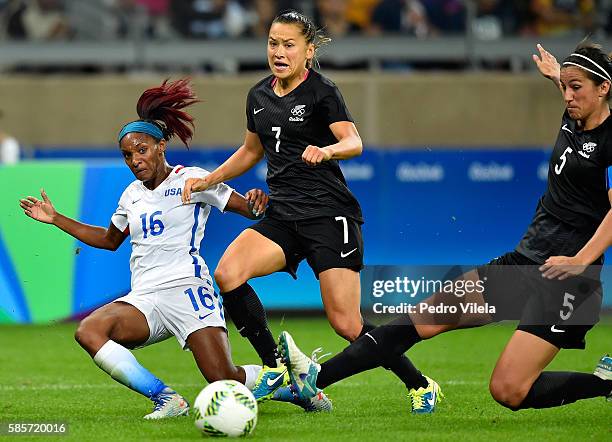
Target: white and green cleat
pixel 424 400
pixel 268 381
pixel 303 371
pixel 168 403
pixel 604 368
pixel 604 371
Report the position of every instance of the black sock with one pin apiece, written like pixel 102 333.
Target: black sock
pixel 369 351
pixel 401 366
pixel 363 354
pixel 556 388
pixel 244 307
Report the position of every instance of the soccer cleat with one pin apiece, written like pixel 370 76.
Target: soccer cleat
pixel 303 371
pixel 268 381
pixel 424 399
pixel 604 368
pixel 319 402
pixel 168 403
pixel 604 371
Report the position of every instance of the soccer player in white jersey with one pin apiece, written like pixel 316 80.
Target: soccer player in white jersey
pixel 172 291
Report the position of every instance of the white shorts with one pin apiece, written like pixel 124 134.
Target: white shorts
pixel 189 306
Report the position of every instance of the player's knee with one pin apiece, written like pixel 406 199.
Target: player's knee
pixel 429 331
pixel 347 328
pixel 507 393
pixel 90 331
pixel 220 373
pixel 228 277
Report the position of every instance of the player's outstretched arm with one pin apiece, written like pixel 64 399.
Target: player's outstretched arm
pixel 349 145
pixel 548 66
pixel 242 160
pixel 94 236
pixel 562 267
pixel 252 205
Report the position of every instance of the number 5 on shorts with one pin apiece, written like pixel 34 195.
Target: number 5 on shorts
pixel 567 302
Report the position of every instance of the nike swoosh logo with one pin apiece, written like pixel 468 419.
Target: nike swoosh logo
pixel 202 317
pixel 135 201
pixel 256 111
pixel 584 154
pixel 272 382
pixel 566 129
pixel 344 255
pixel 554 329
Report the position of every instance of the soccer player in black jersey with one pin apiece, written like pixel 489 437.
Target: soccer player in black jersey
pixel 552 277
pixel 298 120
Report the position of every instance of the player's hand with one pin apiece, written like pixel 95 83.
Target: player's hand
pixel 42 211
pixel 314 155
pixel 547 64
pixel 193 185
pixel 257 200
pixel 562 267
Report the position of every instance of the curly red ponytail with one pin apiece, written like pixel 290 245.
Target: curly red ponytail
pixel 163 105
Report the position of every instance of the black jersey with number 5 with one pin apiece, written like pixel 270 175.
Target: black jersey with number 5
pixel 576 199
pixel 286 126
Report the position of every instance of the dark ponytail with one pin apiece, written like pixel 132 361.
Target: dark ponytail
pixel 163 106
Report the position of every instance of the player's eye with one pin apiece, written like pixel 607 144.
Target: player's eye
pixel 142 150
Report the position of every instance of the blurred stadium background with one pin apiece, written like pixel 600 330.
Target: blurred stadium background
pixel 456 123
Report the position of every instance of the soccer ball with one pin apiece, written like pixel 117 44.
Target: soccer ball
pixel 225 408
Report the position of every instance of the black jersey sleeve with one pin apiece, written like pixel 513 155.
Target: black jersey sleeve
pixel 249 112
pixel 332 107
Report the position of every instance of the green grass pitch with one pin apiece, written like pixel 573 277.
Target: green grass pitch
pixel 45 376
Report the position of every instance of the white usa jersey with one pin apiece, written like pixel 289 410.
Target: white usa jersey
pixel 165 233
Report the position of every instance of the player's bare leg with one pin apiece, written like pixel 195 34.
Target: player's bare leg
pixel 119 321
pixel 105 334
pixel 250 255
pixel 517 369
pixel 518 380
pixel 212 353
pixel 429 325
pixel 341 294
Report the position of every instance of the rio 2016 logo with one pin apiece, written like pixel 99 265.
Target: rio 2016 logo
pixel 299 110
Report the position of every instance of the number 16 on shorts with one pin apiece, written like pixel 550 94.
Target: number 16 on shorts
pixel 206 305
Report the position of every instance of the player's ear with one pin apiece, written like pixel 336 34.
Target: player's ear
pixel 310 52
pixel 604 88
pixel 162 146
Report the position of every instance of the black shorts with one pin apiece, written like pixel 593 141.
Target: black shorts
pixel 325 242
pixel 560 312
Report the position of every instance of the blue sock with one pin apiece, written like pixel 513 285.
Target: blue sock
pixel 123 367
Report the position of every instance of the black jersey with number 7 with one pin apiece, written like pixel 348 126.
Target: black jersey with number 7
pixel 286 126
